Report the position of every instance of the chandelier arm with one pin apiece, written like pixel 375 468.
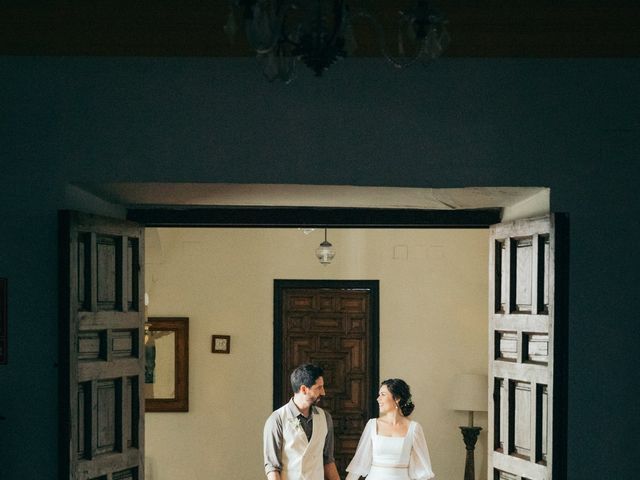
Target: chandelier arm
pixel 340 18
pixel 264 50
pixel 285 37
pixel 283 34
pixel 339 24
pixel 279 12
pixel 382 44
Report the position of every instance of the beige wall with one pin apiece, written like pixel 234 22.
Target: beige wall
pixel 433 324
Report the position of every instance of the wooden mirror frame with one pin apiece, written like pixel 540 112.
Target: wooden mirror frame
pixel 180 327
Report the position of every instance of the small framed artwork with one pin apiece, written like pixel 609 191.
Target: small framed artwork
pixel 3 321
pixel 220 344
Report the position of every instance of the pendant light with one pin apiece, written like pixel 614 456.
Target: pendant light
pixel 325 251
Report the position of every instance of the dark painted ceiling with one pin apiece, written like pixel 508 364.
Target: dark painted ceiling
pixel 507 28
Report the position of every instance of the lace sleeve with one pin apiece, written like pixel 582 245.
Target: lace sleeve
pixel 361 462
pixel 419 462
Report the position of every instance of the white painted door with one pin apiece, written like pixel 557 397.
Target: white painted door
pixel 527 347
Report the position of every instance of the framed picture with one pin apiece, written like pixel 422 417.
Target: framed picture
pixel 3 321
pixel 220 344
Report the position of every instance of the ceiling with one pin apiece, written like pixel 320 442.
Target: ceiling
pixel 492 28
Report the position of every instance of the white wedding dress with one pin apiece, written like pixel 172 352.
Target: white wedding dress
pixel 391 458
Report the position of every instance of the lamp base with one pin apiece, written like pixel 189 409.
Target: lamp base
pixel 470 436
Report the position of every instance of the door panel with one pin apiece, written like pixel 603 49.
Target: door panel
pixel 334 325
pixel 102 331
pixel 527 344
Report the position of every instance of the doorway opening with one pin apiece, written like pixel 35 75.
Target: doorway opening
pixel 275 218
pixel 433 302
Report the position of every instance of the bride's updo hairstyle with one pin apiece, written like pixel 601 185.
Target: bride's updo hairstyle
pixel 402 393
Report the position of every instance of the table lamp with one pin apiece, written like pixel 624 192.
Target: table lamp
pixel 469 394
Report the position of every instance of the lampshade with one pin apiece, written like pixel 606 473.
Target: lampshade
pixel 469 393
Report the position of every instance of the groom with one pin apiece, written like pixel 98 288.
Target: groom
pixel 298 437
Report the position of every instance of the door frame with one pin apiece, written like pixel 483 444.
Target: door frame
pixel 351 217
pixel 310 217
pixel 372 286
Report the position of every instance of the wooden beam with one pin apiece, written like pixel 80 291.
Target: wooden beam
pixel 312 217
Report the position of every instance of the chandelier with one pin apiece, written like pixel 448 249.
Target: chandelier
pixel 319 32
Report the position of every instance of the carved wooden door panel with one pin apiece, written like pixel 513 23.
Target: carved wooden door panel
pixel 335 327
pixel 527 345
pixel 102 335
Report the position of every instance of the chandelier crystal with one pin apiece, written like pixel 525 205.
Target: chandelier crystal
pixel 320 32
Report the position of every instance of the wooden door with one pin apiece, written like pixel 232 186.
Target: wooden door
pixel 527 348
pixel 333 324
pixel 101 346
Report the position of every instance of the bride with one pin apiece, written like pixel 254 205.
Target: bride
pixel 392 447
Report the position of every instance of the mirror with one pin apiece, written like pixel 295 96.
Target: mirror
pixel 166 364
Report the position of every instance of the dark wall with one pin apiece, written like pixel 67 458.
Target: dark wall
pixel 571 125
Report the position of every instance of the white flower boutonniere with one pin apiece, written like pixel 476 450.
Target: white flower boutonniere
pixel 295 423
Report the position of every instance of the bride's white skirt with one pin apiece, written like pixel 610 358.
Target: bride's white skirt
pixel 388 473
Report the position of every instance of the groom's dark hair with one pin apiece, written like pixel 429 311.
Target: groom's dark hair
pixel 305 374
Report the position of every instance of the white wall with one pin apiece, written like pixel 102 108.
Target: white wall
pixel 433 324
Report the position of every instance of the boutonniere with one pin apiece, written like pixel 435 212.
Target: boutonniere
pixel 295 423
